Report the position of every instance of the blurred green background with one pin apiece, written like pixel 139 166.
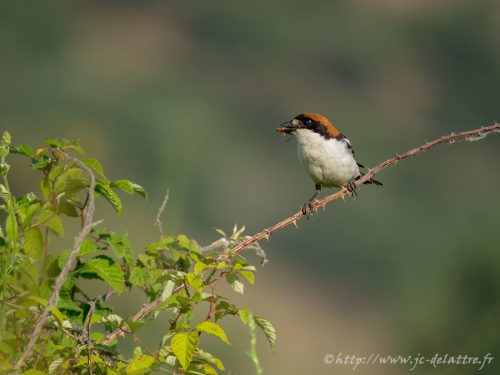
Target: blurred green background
pixel 186 96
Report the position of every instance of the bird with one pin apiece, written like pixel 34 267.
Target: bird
pixel 326 154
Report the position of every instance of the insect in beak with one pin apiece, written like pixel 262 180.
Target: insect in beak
pixel 288 127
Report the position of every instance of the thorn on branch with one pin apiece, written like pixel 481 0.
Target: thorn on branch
pixel 251 241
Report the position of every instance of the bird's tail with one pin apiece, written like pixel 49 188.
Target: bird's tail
pixel 371 180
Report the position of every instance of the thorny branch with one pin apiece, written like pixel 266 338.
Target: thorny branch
pixel 472 135
pixel 87 226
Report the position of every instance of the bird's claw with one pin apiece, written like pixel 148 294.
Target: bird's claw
pixel 351 188
pixel 307 208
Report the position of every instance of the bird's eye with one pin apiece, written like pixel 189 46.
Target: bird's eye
pixel 307 121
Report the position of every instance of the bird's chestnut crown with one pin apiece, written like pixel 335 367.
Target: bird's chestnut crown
pixel 312 121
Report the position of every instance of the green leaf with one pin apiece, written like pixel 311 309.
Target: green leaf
pixel 194 281
pixel 69 181
pixel 199 267
pixel 88 247
pixel 66 300
pixel 23 150
pixel 63 258
pixel 94 164
pixel 187 244
pixel 245 315
pixel 134 325
pixel 248 275
pixel 68 208
pixel 52 221
pixel 213 329
pixel 129 187
pixel 209 370
pixel 184 346
pixel 54 366
pixel 73 145
pixel 235 283
pixel 45 187
pixel 137 351
pixel 267 328
pixel 204 356
pixel 58 315
pixel 168 289
pixel 4 193
pixel 121 246
pixel 53 142
pixel 107 270
pixel 140 365
pixel 33 243
pixel 138 276
pixel 41 162
pixel 103 187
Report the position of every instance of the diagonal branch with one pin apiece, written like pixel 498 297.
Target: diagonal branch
pixel 472 135
pixel 87 226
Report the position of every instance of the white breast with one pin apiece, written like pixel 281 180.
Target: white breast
pixel 329 162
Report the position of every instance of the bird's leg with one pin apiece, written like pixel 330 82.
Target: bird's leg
pixel 351 188
pixel 308 206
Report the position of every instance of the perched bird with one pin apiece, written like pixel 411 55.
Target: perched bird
pixel 326 153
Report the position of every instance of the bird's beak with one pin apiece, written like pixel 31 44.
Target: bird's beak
pixel 287 127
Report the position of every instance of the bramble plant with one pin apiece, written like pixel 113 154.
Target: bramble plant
pixel 49 324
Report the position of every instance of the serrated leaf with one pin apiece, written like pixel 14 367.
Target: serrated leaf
pixel 107 270
pixel 213 329
pixel 103 187
pixel 184 345
pixel 267 328
pixel 204 356
pixel 140 365
pixel 33 243
pixel 94 164
pixel 129 187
